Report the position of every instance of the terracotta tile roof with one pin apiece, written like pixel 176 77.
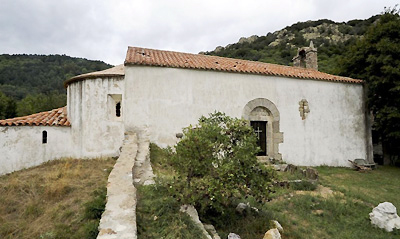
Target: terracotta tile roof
pixel 114 71
pixel 150 57
pixel 56 117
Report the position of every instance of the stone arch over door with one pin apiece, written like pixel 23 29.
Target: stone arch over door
pixel 262 109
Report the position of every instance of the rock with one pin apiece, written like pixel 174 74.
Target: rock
pixel 149 182
pixel 255 209
pixel 272 234
pixel 192 212
pixel 218 48
pixel 311 173
pixel 291 168
pixel 106 231
pixel 233 236
pixel 210 229
pixel 283 167
pixel 385 216
pixel 241 207
pixel 277 225
pixel 248 39
pixel 318 212
pixel 276 167
pixel 280 167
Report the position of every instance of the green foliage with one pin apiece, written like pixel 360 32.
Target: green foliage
pixel 90 229
pixel 34 83
pixel 21 75
pixel 216 163
pixel 40 102
pixel 302 214
pixel 7 107
pixel 249 224
pixel 96 207
pixel 160 157
pixel 158 215
pixel 304 185
pixel 376 59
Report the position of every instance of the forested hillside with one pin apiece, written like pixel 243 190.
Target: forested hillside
pixel 331 39
pixel 34 83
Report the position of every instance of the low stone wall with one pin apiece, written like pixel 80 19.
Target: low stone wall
pixel 119 217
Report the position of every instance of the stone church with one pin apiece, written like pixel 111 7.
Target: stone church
pixel 300 115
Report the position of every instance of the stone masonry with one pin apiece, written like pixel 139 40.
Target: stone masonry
pixel 119 218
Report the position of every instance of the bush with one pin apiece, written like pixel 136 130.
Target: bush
pixel 215 163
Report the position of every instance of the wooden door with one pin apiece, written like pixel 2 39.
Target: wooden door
pixel 260 128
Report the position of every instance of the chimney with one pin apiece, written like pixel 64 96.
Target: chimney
pixel 306 57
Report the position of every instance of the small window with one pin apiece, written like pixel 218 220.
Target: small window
pixel 44 137
pixel 118 109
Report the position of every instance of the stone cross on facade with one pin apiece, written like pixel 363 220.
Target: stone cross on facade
pixel 258 131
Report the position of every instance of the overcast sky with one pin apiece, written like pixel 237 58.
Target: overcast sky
pixel 103 29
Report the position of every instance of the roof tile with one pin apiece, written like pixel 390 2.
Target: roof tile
pixel 56 117
pixel 113 71
pixel 151 57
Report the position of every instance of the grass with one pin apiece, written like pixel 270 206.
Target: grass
pixel 338 208
pixel 344 214
pixel 158 216
pixel 373 187
pixel 157 213
pixel 248 225
pixel 58 199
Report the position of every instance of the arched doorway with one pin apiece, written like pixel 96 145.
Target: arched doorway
pixel 264 118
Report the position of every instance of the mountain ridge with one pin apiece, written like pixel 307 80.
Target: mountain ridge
pixel 279 47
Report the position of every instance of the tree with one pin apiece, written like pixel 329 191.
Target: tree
pixel 216 163
pixel 376 59
pixel 3 105
pixel 40 102
pixel 11 109
pixel 7 107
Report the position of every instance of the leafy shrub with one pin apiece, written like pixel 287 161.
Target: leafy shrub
pixel 215 163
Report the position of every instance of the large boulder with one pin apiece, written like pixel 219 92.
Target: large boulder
pixel 272 234
pixel 233 236
pixel 277 225
pixel 192 212
pixel 241 207
pixel 210 229
pixel 385 216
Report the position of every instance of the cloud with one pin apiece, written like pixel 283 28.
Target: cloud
pixel 102 29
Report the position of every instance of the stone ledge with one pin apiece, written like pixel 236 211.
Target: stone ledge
pixel 119 217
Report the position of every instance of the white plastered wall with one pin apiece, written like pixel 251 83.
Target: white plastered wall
pixel 96 131
pixel 21 146
pixel 164 100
